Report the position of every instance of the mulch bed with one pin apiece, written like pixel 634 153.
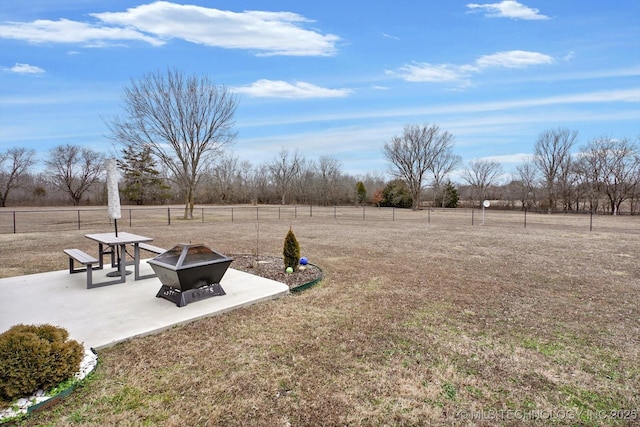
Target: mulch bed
pixel 271 267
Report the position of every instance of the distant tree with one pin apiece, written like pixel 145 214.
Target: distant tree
pixel 74 170
pixel 142 181
pixel 613 167
pixel 361 193
pixel 397 194
pixel 243 183
pixel 448 197
pixel 378 197
pixel 261 189
pixel 552 153
pixel 413 154
pixel 442 166
pixel 284 169
pixel 184 121
pixel 480 175
pixel 328 171
pixel 526 176
pixel 14 164
pixel 223 174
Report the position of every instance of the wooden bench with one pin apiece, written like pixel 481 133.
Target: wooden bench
pixel 83 258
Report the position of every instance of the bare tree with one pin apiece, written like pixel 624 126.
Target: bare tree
pixel 14 164
pixel 243 188
pixel 441 167
pixel 566 183
pixel 284 169
pixel 614 166
pixel 482 174
pixel 552 151
pixel 223 174
pixel 527 178
pixel 185 121
pixel 589 170
pixel 413 154
pixel 328 171
pixel 74 170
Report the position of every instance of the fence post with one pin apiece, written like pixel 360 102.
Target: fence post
pixel 231 214
pixel 278 212
pixel 78 219
pixel 295 212
pixel 591 220
pixel 130 217
pixel 525 217
pixel 335 208
pixel 472 212
pixel 14 222
pixel 168 216
pixel 256 213
pixel 429 216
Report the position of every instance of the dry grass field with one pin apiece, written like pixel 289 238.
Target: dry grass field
pixel 418 321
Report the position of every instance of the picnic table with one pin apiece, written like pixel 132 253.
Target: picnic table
pixel 107 242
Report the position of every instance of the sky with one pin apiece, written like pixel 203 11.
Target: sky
pixel 335 78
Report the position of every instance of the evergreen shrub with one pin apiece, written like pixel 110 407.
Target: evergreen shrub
pixel 291 251
pixel 36 357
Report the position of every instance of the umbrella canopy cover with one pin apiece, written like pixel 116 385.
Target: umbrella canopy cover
pixel 112 189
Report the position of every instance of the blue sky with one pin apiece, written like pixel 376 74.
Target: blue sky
pixel 330 77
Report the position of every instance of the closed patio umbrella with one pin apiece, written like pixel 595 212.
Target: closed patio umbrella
pixel 112 192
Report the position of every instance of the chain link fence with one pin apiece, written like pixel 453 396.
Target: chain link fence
pixel 65 219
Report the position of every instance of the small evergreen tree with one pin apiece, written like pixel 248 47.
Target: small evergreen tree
pixel 397 194
pixel 142 182
pixel 291 251
pixel 449 197
pixel 361 193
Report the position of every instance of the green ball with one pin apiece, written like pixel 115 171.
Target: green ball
pixel 289 270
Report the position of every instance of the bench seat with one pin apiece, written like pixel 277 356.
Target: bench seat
pixel 88 261
pixel 150 248
pixel 83 258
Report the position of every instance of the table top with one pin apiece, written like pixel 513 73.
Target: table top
pixel 123 238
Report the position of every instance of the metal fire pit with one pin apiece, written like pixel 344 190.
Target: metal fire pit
pixel 190 273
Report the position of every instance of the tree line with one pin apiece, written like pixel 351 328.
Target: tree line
pixel 175 132
pixel 601 177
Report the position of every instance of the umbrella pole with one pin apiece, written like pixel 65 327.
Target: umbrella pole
pixel 115 222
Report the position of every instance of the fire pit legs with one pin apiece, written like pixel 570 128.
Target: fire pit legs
pixel 182 298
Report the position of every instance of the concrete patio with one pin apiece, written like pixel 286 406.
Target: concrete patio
pixel 105 316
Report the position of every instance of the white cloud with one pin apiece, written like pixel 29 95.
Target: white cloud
pixel 631 95
pixel 280 89
pixel 425 72
pixel 66 31
pixel 448 73
pixel 513 59
pixel 270 33
pixel 25 69
pixel 266 33
pixel 507 9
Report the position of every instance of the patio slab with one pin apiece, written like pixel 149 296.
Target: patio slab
pixel 105 316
